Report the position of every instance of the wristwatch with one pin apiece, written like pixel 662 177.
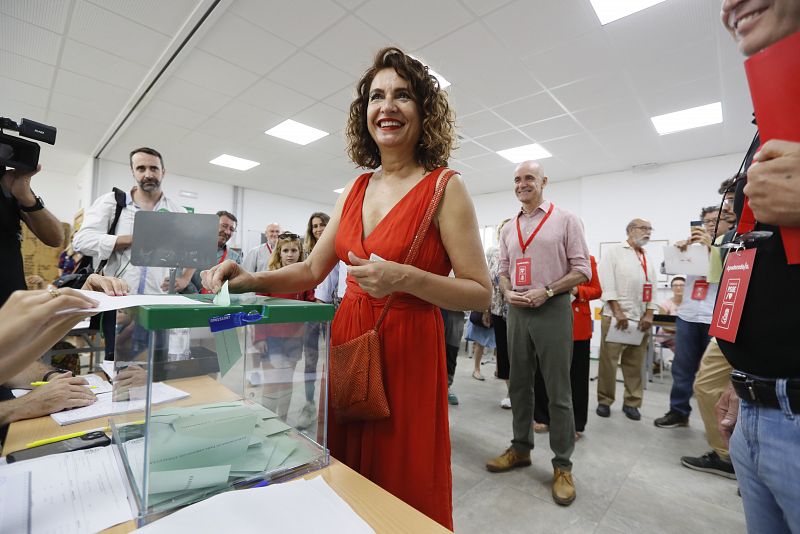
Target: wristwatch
pixel 548 291
pixel 54 371
pixel 36 207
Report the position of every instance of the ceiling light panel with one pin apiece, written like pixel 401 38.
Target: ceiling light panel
pixel 232 162
pixel 611 10
pixel 296 132
pixel 522 153
pixel 688 119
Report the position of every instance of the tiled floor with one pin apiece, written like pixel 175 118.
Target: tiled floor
pixel 628 474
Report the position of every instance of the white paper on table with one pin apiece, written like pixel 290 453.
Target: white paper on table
pixel 693 261
pixel 108 302
pixel 74 492
pixel 100 386
pixel 15 502
pixel 282 507
pixel 631 336
pixel 105 406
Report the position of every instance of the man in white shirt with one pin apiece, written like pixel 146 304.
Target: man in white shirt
pixel 147 168
pixel 628 280
pixel 257 258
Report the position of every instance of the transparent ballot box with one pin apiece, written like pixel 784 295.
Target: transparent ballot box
pixel 209 398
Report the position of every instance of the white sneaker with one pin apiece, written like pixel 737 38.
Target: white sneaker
pixel 505 403
pixel 307 415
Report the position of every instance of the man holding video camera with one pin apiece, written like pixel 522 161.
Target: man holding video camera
pixel 18 203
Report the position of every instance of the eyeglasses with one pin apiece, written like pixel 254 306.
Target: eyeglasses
pixel 228 227
pixel 647 228
pixel 288 235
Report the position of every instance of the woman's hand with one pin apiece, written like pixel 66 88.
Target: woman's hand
pixel 377 278
pixel 107 284
pixel 239 280
pixel 29 324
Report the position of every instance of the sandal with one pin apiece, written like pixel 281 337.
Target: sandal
pixel 477 375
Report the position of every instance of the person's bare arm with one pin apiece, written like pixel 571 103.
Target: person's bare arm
pixel 41 222
pixel 35 371
pixel 296 277
pixel 61 393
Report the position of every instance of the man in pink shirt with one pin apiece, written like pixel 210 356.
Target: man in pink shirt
pixel 543 255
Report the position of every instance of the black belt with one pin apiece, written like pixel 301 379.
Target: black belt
pixel 762 391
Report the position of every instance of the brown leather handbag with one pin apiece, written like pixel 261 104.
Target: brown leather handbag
pixel 356 367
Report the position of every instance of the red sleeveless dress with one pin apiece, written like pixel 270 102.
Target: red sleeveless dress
pixel 407 454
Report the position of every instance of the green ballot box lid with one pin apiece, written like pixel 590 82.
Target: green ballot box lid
pixel 274 310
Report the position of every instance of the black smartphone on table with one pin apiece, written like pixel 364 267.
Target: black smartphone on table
pixel 86 441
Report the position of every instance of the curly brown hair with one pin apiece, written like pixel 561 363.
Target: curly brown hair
pixel 438 120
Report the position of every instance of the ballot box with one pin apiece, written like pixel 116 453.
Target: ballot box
pixel 208 398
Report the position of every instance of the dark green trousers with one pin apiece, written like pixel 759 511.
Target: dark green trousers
pixel 542 338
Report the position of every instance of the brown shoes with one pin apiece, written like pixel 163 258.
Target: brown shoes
pixel 563 487
pixel 508 461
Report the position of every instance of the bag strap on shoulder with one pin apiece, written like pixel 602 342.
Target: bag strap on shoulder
pixel 422 231
pixel 121 199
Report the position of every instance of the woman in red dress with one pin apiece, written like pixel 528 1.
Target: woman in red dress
pixel 400 124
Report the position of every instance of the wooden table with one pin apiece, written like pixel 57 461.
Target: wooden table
pixel 380 509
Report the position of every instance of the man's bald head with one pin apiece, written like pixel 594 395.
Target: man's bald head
pixel 529 183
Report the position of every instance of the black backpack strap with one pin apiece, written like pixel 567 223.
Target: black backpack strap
pixel 121 198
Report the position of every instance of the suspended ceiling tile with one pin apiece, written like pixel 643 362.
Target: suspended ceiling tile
pixel 164 17
pixel 23 92
pixel 243 43
pixel 186 94
pixel 28 40
pixel 115 34
pixel 530 109
pixel 210 72
pixel 297 21
pixel 350 45
pixel 276 98
pixel 100 65
pixel 407 27
pixel 503 140
pixel 48 14
pixel 481 123
pixel 561 126
pixel 27 70
pixel 311 76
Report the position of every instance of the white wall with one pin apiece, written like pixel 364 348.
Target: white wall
pixel 669 196
pixel 60 192
pixel 261 208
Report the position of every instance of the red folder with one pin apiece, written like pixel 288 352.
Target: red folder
pixel 774 78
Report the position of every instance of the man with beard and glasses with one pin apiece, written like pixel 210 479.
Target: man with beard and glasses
pixel 628 280
pixel 766 429
pixel 147 168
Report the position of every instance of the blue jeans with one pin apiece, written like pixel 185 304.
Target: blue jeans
pixel 765 450
pixel 691 340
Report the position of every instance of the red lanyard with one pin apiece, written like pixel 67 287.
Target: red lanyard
pixel 643 262
pixel 269 248
pixel 224 255
pixel 527 243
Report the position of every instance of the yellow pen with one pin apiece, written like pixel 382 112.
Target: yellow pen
pixel 74 435
pixel 62 438
pixel 37 384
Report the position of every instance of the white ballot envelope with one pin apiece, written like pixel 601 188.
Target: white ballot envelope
pixel 630 336
pixel 693 261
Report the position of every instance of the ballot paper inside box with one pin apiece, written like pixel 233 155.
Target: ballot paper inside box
pixel 252 403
